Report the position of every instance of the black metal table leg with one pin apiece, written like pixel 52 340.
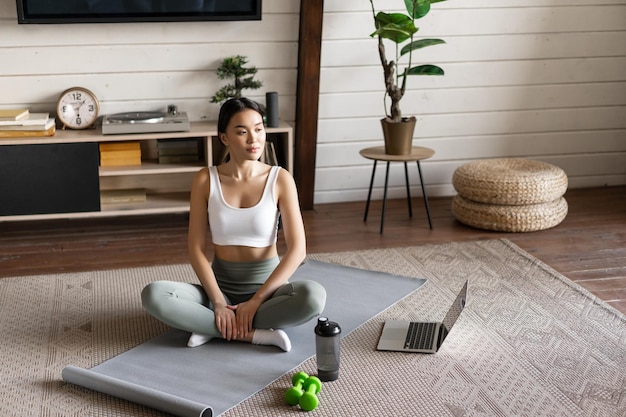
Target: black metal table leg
pixel 378 153
pixel 419 169
pixel 408 190
pixel 382 217
pixel 369 194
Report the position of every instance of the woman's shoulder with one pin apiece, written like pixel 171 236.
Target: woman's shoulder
pixel 284 181
pixel 282 174
pixel 204 172
pixel 203 176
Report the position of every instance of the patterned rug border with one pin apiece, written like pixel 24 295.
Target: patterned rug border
pixel 597 300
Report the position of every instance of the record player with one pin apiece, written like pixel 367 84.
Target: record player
pixel 145 122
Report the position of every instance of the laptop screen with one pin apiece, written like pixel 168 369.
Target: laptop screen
pixel 455 310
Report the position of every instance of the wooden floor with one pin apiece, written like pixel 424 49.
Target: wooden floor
pixel 589 246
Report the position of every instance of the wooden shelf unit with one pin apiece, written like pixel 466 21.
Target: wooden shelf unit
pixel 167 186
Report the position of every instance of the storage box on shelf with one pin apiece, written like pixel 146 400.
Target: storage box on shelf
pixel 161 183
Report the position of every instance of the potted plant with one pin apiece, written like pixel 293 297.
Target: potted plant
pixel 399 28
pixel 234 67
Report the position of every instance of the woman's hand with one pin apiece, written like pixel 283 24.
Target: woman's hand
pixel 226 322
pixel 245 313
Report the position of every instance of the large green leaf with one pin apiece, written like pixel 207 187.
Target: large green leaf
pixel 422 2
pixel 421 43
pixel 417 8
pixel 425 70
pixel 396 27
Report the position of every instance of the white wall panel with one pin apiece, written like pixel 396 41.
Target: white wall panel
pixel 480 74
pixel 360 5
pixel 138 58
pixel 479 99
pixel 542 79
pixel 475 124
pixel 477 147
pixel 487 21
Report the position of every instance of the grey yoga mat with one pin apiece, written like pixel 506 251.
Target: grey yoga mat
pixel 164 374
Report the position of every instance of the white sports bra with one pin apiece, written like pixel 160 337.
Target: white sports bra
pixel 255 226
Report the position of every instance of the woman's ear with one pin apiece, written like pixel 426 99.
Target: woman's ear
pixel 223 139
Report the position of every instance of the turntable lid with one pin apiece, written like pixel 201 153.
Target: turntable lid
pixel 137 117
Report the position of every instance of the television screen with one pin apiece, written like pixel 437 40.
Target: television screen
pixel 116 11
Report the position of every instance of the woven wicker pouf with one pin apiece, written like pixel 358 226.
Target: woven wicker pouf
pixel 510 181
pixel 501 218
pixel 510 195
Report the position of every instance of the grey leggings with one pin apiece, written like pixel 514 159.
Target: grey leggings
pixel 187 306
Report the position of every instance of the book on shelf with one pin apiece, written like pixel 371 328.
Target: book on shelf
pixel 33 125
pixel 30 120
pixel 178 151
pixel 115 154
pixel 123 196
pixel 278 151
pixel 45 125
pixel 118 146
pixel 120 162
pixel 190 144
pixel 28 133
pixel 125 153
pixel 13 114
pixel 120 158
pixel 178 159
pixel 270 154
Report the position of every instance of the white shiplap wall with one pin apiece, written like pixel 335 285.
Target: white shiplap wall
pixel 534 78
pixel 146 66
pixel 544 79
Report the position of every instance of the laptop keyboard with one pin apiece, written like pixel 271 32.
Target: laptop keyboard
pixel 420 335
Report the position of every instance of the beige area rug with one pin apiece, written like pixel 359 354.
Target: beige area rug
pixel 529 343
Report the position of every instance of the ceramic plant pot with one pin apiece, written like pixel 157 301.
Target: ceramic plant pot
pixel 398 136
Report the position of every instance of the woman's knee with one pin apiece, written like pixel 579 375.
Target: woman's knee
pixel 153 294
pixel 293 304
pixel 159 294
pixel 311 294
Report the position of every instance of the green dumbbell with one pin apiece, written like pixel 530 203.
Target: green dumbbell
pixel 308 400
pixel 293 394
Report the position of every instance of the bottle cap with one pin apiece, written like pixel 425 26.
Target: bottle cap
pixel 327 328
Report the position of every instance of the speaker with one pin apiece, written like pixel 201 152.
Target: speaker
pixel 271 105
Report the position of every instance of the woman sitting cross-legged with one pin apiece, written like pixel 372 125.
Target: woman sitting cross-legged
pixel 245 293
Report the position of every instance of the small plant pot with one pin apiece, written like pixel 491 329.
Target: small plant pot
pixel 398 136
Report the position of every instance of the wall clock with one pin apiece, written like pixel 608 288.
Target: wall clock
pixel 77 108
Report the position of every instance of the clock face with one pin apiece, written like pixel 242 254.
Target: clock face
pixel 78 108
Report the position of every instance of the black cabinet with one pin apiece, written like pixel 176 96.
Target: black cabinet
pixel 49 178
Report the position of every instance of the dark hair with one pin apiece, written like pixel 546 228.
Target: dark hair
pixel 233 106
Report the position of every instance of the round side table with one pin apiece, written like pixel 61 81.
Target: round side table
pixel 377 153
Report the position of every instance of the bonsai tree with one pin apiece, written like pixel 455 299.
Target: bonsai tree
pixel 234 67
pixel 400 29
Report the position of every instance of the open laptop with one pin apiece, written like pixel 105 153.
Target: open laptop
pixel 421 337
